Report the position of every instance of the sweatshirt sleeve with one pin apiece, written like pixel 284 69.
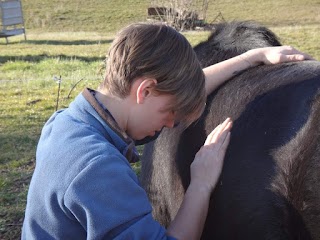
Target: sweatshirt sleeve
pixel 107 200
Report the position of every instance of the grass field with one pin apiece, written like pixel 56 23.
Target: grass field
pixel 70 39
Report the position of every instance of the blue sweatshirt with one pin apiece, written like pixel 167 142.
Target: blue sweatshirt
pixel 83 186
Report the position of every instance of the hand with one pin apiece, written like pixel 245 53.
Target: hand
pixel 274 55
pixel 208 162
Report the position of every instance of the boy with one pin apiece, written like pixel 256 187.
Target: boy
pixel 83 185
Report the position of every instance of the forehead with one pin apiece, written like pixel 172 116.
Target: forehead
pixel 166 101
pixel 169 106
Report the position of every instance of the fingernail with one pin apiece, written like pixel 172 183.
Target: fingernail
pixel 300 57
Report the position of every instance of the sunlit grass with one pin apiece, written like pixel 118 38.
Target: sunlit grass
pixel 305 38
pixel 109 16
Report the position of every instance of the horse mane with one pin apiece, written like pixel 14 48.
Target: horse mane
pixel 230 39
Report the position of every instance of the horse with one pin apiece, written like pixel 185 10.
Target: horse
pixel 269 187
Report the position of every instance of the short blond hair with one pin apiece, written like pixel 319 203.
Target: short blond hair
pixel 157 51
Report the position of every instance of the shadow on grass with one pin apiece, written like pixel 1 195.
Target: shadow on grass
pixel 41 57
pixel 75 42
pixel 58 42
pixel 17 146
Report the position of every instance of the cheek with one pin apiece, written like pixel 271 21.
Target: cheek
pixel 164 118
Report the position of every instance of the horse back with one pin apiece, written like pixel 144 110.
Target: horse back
pixel 269 184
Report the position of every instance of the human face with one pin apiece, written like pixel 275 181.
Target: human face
pixel 152 116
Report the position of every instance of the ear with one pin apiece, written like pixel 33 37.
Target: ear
pixel 145 88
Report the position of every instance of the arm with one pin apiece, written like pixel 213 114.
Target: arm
pixel 205 172
pixel 221 72
pixel 190 219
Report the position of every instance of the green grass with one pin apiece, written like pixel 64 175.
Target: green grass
pixel 109 16
pixel 271 12
pixel 82 15
pixel 70 39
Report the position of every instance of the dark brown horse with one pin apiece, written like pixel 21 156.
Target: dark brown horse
pixel 270 183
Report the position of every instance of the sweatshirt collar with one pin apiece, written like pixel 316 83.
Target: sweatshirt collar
pixel 130 151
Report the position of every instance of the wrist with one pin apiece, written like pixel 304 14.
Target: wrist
pixel 254 57
pixel 200 188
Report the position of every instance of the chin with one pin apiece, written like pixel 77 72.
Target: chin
pixel 138 137
pixel 141 137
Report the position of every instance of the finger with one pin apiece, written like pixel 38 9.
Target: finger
pixel 229 125
pixel 216 145
pixel 289 58
pixel 225 126
pixel 225 143
pixel 224 134
pixel 214 135
pixel 226 129
pixel 305 56
pixel 296 55
pixel 225 123
pixel 210 136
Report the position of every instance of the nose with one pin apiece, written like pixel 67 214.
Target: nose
pixel 170 123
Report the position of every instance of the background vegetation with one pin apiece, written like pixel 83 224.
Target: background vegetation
pixel 70 39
